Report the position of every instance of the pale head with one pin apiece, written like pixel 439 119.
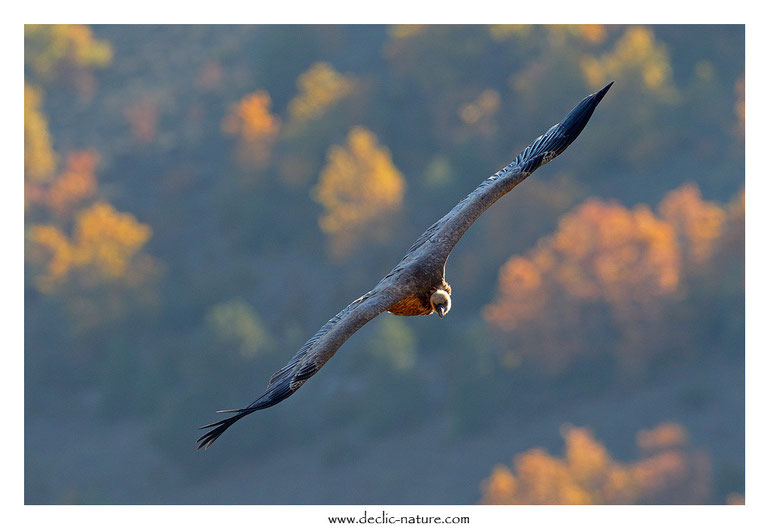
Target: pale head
pixel 441 302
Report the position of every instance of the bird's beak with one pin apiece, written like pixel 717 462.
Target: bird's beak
pixel 441 311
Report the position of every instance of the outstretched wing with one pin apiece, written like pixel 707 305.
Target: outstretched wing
pixel 313 355
pixel 444 234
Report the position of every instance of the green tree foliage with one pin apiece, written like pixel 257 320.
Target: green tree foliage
pixel 236 321
pixel 395 344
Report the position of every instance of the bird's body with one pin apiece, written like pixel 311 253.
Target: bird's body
pixel 417 285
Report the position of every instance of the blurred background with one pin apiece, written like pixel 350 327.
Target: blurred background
pixel 199 200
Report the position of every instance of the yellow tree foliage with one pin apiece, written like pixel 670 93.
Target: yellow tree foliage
pixel 591 33
pixel 103 244
pixel 39 157
pixel 501 32
pixel 669 472
pixel 319 88
pixel 636 56
pixel 50 49
pixel 360 190
pixel 251 122
pixel 405 31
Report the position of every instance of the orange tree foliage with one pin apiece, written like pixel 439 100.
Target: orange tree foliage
pixel 669 472
pixel 74 184
pixel 479 113
pixel 251 122
pixel 733 238
pixel 142 117
pixel 698 223
pixel 39 157
pixel 601 255
pixel 360 190
pixel 736 499
pixel 605 263
pixel 103 244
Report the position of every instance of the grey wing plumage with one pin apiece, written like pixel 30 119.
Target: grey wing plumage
pixel 447 231
pixel 312 356
pixel 442 236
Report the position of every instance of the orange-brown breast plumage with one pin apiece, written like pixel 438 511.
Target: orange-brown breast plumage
pixel 411 306
pixel 415 304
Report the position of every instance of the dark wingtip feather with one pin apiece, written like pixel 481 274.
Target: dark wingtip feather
pixel 576 120
pixel 279 391
pixel 217 428
pixel 600 94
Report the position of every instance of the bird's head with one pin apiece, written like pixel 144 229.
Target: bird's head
pixel 441 302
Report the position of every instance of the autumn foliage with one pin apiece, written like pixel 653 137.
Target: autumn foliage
pixel 54 48
pixel 668 472
pixel 39 157
pixel 76 183
pixel 636 54
pixel 199 200
pixel 103 243
pixel 605 265
pixel 320 87
pixel 66 54
pixel 360 190
pixel 74 236
pixel 254 127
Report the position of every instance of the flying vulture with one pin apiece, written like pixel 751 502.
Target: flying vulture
pixel 416 286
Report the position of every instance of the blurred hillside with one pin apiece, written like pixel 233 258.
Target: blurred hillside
pixel 199 200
